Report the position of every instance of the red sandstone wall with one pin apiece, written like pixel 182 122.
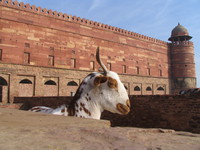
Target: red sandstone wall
pixel 43 34
pixel 179 112
pixel 76 38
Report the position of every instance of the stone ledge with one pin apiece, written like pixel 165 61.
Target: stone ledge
pixel 22 130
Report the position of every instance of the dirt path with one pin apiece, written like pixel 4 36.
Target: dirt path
pixel 22 130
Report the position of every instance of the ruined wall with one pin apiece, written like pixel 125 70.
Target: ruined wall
pixel 179 112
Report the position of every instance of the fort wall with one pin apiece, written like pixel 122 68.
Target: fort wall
pixel 40 46
pixel 27 29
pixel 178 112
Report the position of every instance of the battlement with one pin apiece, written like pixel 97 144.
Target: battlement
pixel 75 19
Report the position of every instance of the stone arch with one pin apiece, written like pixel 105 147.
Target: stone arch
pixel 50 88
pixel 72 86
pixel 160 88
pixel 137 88
pixel 3 90
pixel 25 81
pixel 25 88
pixel 50 82
pixel 72 83
pixel 126 86
pixel 3 82
pixel 148 88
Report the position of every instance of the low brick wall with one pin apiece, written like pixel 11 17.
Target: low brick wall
pixel 181 113
pixel 178 112
pixel 11 106
pixel 54 101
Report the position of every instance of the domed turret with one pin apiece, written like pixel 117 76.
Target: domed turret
pixel 179 33
pixel 182 60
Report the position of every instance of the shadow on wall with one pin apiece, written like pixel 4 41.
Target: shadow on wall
pixel 178 112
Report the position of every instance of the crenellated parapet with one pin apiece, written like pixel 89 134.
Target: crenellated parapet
pixel 75 19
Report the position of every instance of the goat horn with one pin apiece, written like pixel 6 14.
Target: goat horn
pixel 105 70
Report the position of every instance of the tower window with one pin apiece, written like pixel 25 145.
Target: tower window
pixel 27 45
pixel 137 70
pixel 160 72
pixel 26 58
pixel 73 52
pixel 148 71
pixel 51 50
pixel 1 54
pixel 124 69
pixel 109 66
pixel 73 62
pixel 92 65
pixel 51 60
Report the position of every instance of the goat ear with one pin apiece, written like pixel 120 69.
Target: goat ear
pixel 112 83
pixel 100 79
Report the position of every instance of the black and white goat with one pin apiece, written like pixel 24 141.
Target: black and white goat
pixel 98 91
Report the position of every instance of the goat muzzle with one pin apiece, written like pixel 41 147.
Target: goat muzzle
pixel 124 109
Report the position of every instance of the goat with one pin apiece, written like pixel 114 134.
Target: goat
pixel 98 91
pixel 190 91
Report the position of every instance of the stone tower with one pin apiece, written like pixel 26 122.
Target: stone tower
pixel 182 60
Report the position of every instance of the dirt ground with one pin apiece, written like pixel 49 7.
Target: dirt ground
pixel 23 130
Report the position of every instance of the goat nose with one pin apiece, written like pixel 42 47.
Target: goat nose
pixel 128 103
pixel 124 109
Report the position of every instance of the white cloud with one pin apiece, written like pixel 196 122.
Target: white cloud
pixel 164 9
pixel 95 4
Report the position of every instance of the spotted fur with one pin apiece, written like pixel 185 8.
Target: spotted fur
pixel 190 91
pixel 98 91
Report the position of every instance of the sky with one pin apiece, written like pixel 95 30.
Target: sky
pixel 153 18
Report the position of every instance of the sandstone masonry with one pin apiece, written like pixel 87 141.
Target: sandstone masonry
pixel 46 53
